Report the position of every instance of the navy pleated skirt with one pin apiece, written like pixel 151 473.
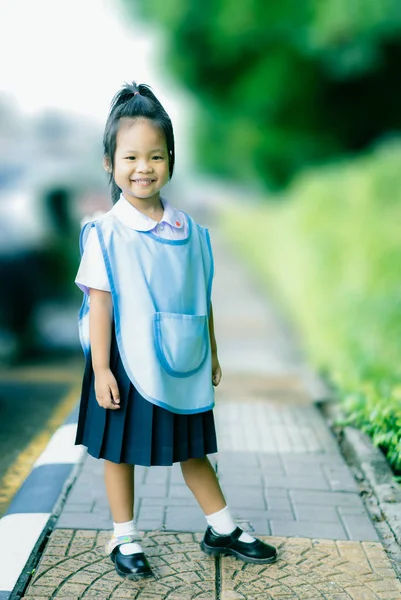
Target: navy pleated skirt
pixel 139 432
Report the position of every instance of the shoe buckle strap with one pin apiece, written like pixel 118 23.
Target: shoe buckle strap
pixel 230 537
pixel 117 541
pixel 235 535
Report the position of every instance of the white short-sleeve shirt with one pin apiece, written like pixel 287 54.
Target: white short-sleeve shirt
pixel 92 270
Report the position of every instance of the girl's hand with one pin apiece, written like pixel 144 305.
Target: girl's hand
pixel 216 370
pixel 106 389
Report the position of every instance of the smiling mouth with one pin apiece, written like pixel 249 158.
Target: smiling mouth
pixel 143 181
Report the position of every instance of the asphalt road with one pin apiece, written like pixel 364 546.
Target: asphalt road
pixel 35 399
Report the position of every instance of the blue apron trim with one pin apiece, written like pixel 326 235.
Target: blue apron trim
pixel 83 311
pixel 209 287
pixel 162 343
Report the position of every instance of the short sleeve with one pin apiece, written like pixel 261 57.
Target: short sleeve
pixel 92 271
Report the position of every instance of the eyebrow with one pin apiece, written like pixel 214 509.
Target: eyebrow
pixel 150 152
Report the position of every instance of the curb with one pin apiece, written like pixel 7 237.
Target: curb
pixel 381 493
pixel 359 449
pixel 31 514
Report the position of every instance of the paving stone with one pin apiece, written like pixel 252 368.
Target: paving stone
pixel 92 574
pixel 183 501
pixel 156 475
pixel 352 510
pixel 83 521
pixel 278 502
pixel 306 460
pixel 359 527
pixel 309 571
pixel 78 507
pixel 313 482
pixel 256 526
pixel 316 513
pixel 268 462
pixel 334 531
pixel 80 495
pixel 247 498
pixel 273 492
pixel 140 473
pixel 234 460
pixel 354 551
pixel 281 515
pixel 248 478
pixel 81 541
pixel 151 490
pixel 71 590
pixel 340 478
pixel 104 513
pixel 101 499
pixel 37 597
pixel 152 501
pixel 151 512
pixel 180 491
pixel 185 519
pixel 149 524
pixel 329 498
pixel 40 591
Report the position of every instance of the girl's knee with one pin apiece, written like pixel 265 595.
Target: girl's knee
pixel 110 465
pixel 194 461
pixel 192 464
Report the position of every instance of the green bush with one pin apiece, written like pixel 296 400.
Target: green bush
pixel 331 251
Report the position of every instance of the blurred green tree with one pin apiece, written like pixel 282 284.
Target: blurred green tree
pixel 283 84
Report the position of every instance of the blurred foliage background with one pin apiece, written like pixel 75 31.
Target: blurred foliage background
pixel 303 99
pixel 283 84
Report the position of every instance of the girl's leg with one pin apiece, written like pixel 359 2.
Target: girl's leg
pixel 127 555
pixel 222 536
pixel 202 480
pixel 119 480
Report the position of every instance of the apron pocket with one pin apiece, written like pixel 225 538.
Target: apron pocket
pixel 181 342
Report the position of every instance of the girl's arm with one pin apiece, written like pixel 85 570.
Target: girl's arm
pixel 100 319
pixel 216 369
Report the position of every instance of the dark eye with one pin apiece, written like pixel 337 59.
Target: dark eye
pixel 158 158
pixel 130 157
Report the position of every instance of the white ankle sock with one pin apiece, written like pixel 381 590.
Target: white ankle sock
pixel 223 523
pixel 127 528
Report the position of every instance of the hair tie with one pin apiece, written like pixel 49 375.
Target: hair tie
pixel 135 93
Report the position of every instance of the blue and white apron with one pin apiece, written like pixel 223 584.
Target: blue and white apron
pixel 161 292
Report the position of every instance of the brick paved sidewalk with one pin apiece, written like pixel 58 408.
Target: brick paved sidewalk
pixel 280 469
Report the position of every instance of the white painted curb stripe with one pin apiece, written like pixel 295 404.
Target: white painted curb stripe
pixel 18 534
pixel 61 449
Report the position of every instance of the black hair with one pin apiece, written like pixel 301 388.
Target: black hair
pixel 131 102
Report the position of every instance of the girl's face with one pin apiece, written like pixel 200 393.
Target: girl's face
pixel 141 162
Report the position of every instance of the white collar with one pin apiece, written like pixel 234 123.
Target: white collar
pixel 131 216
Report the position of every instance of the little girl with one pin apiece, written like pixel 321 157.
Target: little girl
pixel 146 328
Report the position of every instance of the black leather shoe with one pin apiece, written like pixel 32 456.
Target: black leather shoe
pixel 256 552
pixel 131 565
